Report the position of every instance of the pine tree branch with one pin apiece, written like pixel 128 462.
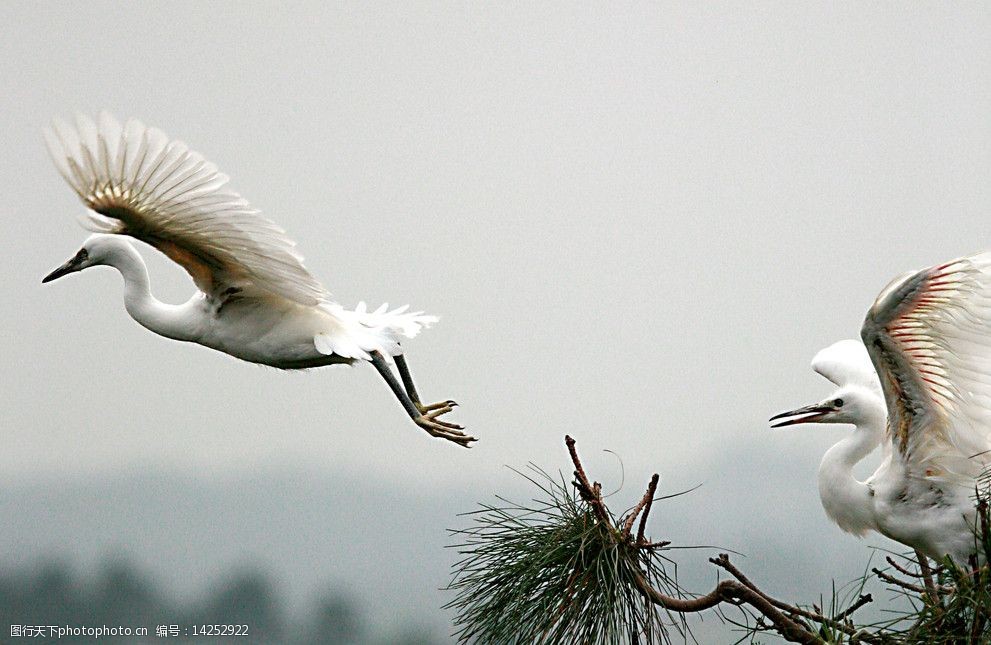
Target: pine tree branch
pixel 734 593
pixel 590 493
pixel 651 490
pixel 723 562
pixel 860 602
pixel 909 586
pixel 902 570
pixel 728 591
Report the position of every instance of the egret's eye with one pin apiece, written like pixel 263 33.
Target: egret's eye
pixel 838 403
pixel 82 256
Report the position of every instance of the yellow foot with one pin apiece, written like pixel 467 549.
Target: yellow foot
pixel 442 429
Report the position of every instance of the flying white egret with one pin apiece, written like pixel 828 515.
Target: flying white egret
pixel 929 337
pixel 255 300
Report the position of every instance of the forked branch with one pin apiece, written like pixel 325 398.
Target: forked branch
pixel 782 616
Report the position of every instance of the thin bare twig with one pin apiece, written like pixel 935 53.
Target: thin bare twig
pixel 591 493
pixel 908 585
pixel 642 505
pixel 902 570
pixel 651 491
pixel 860 602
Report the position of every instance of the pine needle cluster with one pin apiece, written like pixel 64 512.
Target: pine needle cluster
pixel 550 572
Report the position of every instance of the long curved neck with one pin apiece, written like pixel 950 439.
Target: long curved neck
pixel 848 501
pixel 167 320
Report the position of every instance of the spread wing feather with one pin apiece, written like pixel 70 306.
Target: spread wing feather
pixel 929 336
pixel 138 182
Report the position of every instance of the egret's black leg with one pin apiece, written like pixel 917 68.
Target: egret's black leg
pixel 421 415
pixel 411 388
pixel 407 378
pixel 383 368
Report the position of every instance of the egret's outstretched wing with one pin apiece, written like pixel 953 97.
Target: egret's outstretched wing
pixel 139 183
pixel 929 335
pixel 846 362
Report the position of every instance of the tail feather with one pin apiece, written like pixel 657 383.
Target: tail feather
pixel 363 331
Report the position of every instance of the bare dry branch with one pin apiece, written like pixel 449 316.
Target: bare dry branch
pixel 735 593
pixel 908 585
pixel 860 602
pixel 651 491
pixel 902 570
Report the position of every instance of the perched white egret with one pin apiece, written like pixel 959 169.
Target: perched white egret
pixel 858 401
pixel 928 335
pixel 255 300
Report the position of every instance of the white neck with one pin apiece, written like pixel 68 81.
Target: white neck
pixel 848 501
pixel 171 321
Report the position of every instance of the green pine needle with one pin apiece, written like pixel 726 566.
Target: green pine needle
pixel 549 572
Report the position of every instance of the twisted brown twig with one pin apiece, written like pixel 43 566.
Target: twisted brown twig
pixel 784 618
pixel 837 622
pixel 890 579
pixel 900 569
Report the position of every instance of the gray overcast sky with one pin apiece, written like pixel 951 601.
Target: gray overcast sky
pixel 637 224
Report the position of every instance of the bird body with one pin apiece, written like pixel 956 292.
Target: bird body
pixel 919 512
pixel 928 336
pixel 255 300
pixel 936 517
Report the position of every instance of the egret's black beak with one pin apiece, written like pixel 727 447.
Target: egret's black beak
pixel 808 414
pixel 69 267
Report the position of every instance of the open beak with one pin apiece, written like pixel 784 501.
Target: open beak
pixel 69 267
pixel 808 414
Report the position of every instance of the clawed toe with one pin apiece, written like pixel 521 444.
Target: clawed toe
pixel 432 416
pixel 443 429
pixel 436 406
